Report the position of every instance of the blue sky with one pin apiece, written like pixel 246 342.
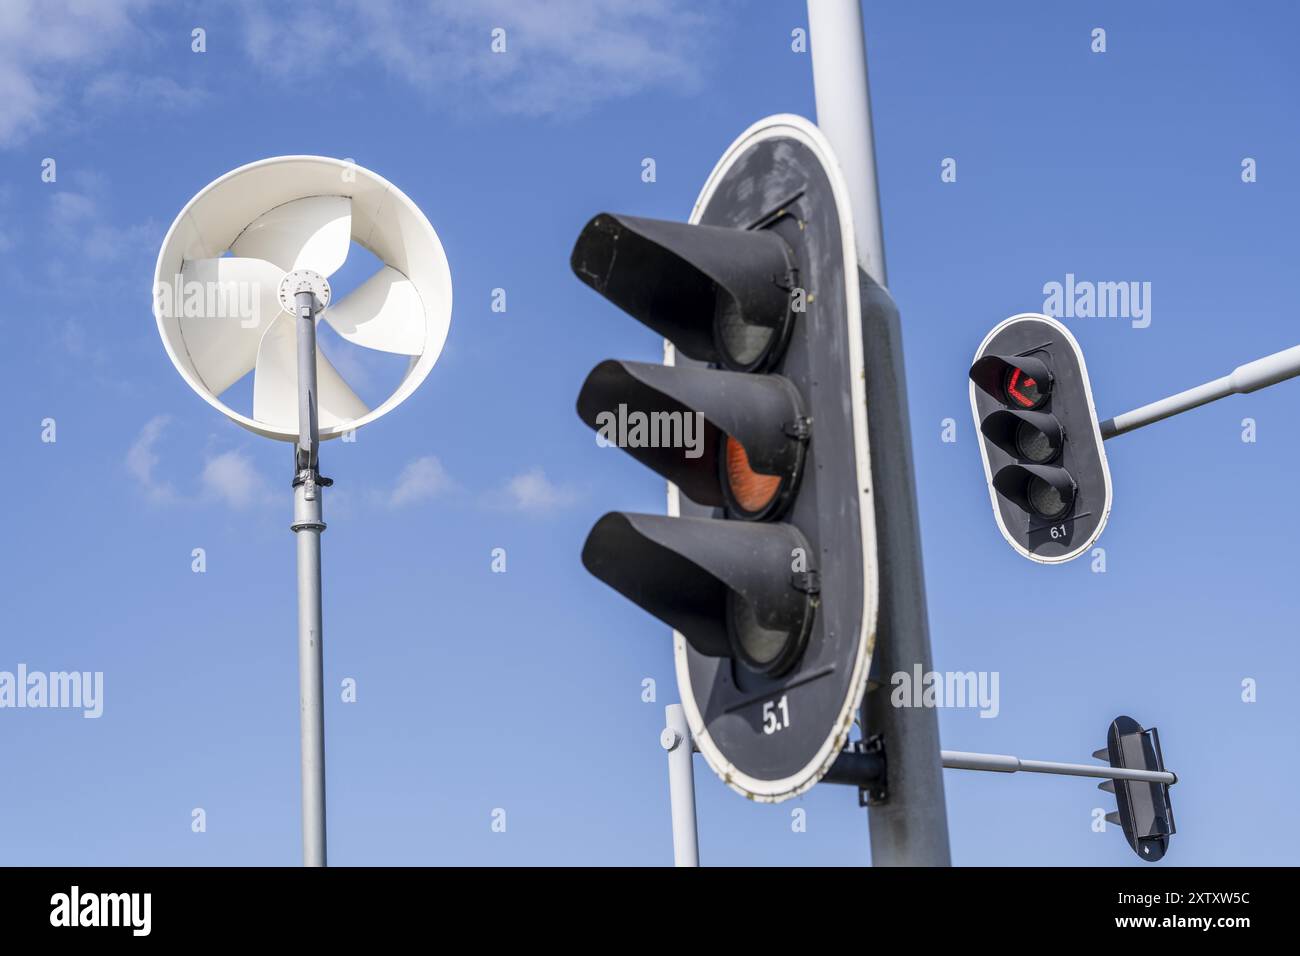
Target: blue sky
pixel 522 690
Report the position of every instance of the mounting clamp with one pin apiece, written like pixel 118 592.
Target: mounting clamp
pixel 862 764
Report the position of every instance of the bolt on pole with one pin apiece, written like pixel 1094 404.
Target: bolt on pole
pixel 910 827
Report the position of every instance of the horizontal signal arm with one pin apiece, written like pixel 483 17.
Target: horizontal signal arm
pixel 1005 763
pixel 1250 377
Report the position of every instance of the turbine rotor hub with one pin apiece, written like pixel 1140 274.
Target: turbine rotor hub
pixel 304 280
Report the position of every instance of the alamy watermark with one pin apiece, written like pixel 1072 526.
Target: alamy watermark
pixel 210 299
pixel 72 690
pixel 638 429
pixel 1083 299
pixel 131 911
pixel 919 688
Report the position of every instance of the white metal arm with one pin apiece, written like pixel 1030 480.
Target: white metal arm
pixel 1250 377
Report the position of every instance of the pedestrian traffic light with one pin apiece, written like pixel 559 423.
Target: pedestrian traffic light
pixel 765 566
pixel 1145 813
pixel 1039 439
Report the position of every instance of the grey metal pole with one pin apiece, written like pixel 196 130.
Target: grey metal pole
pixel 910 826
pixel 676 739
pixel 1250 377
pixel 307 526
pixel 839 62
pixel 1004 763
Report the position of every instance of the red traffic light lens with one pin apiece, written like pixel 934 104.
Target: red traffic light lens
pixel 749 491
pixel 1022 390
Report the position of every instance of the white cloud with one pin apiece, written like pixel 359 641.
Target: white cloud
pixel 71 209
pixel 86 254
pixel 562 56
pixel 116 89
pixel 420 480
pixel 6 239
pixel 79 225
pixel 72 336
pixel 81 231
pixel 78 222
pixel 142 460
pixel 44 44
pixel 108 243
pixel 231 478
pixel 20 103
pixel 83 254
pixel 533 491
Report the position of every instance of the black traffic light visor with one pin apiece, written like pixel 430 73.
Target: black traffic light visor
pixel 1016 483
pixel 681 570
pixel 762 412
pixel 678 278
pixel 1005 428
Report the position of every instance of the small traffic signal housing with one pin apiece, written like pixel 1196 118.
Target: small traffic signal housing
pixel 1039 439
pixel 1145 813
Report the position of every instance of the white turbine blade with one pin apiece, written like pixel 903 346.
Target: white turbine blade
pixel 384 312
pixel 224 306
pixel 312 233
pixel 338 404
pixel 275 384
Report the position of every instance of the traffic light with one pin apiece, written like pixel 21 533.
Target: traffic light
pixel 1039 439
pixel 1145 813
pixel 765 565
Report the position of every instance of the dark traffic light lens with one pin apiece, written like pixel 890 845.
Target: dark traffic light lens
pixel 1023 390
pixel 1033 444
pixel 1046 499
pixel 763 649
pixel 743 344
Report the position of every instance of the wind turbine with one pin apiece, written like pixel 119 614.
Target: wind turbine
pixel 241 282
